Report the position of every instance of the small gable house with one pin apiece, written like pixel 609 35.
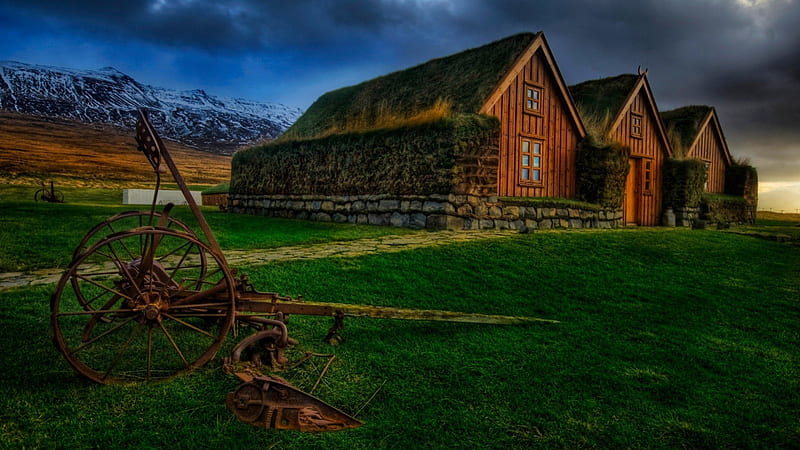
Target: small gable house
pixel 699 135
pixel 622 109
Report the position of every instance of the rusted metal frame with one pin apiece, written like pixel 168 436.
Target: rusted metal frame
pixel 165 156
pixel 270 304
pixel 194 296
pixel 278 333
pixel 152 241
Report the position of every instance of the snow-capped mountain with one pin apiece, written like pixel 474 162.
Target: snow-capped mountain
pixel 195 118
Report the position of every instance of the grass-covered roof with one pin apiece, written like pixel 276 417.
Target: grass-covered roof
pixel 417 159
pixel 464 81
pixel 685 122
pixel 603 97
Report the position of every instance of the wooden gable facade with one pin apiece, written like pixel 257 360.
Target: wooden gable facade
pixel 540 127
pixel 634 122
pixel 699 133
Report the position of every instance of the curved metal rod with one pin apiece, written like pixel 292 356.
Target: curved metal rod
pixel 253 338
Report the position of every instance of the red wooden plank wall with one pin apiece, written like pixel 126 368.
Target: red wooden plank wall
pixel 648 147
pixel 708 148
pixel 553 127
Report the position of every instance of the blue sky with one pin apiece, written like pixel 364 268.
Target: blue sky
pixel 741 56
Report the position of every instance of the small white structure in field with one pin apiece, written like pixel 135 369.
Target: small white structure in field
pixel 145 197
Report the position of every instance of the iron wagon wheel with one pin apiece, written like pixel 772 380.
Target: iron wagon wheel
pixel 123 221
pixel 126 221
pixel 121 317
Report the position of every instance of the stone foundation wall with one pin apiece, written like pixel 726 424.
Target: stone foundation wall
pixel 459 212
pixel 685 216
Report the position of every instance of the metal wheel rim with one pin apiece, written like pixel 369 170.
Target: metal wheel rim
pixel 108 226
pixel 135 327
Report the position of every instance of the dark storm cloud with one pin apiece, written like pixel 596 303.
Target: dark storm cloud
pixel 738 55
pixel 240 26
pixel 202 25
pixel 595 35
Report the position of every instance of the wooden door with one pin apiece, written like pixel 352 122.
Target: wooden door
pixel 630 206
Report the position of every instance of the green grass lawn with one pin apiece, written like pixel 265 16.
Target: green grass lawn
pixel 44 235
pixel 669 339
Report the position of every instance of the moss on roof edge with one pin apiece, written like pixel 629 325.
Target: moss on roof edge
pixel 685 121
pixel 603 96
pixel 465 79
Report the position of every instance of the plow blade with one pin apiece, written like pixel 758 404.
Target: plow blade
pixel 271 402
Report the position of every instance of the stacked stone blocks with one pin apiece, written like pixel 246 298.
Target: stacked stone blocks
pixel 437 211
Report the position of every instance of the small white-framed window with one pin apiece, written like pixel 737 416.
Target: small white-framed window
pixel 530 162
pixel 533 99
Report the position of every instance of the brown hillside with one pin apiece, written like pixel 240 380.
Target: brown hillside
pixel 36 148
pixel 769 215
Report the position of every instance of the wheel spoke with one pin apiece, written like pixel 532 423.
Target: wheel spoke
pixel 94 312
pixel 149 352
pixel 101 286
pixel 87 329
pixel 202 280
pixel 187 245
pixel 132 255
pixel 124 269
pixel 120 316
pixel 175 269
pixel 188 325
pixel 190 299
pixel 179 265
pixel 88 303
pixel 123 350
pixel 99 336
pixel 174 344
pixel 89 272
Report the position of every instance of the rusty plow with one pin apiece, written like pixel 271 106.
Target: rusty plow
pixel 145 298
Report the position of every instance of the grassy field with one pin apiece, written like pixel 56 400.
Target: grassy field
pixel 33 240
pixel 36 149
pixel 669 338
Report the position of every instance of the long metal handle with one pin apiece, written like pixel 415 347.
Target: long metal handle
pixel 163 155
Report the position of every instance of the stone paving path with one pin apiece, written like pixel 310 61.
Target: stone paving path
pixel 241 258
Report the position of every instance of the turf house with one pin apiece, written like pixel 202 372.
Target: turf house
pixel 697 134
pixel 726 191
pixel 490 137
pixel 621 110
pixel 485 138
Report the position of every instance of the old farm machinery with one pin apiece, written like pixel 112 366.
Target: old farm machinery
pixel 145 298
pixel 48 194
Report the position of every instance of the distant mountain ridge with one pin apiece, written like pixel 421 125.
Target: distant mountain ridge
pixel 195 118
